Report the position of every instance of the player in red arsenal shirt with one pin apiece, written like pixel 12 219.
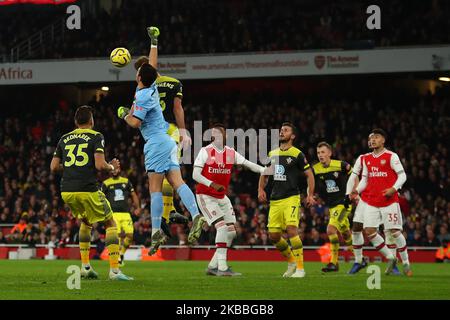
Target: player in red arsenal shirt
pixel 212 171
pixel 383 175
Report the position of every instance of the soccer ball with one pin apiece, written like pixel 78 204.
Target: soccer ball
pixel 120 57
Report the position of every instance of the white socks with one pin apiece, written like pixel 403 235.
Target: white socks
pixel 231 234
pixel 378 242
pixel 219 260
pixel 400 241
pixel 358 242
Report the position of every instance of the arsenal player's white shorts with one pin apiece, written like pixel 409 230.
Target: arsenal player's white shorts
pixel 390 216
pixel 359 211
pixel 214 208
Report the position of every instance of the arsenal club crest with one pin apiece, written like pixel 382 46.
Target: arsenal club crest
pixel 383 162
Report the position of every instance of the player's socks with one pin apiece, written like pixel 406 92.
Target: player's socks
pixel 349 244
pixel 392 248
pixel 157 210
pixel 125 245
pixel 378 242
pixel 285 250
pixel 358 242
pixel 390 242
pixel 84 236
pixel 231 234
pixel 213 263
pixel 165 227
pixel 297 251
pixel 167 206
pixel 400 242
pixel 112 243
pixel 334 240
pixel 167 191
pixel 221 245
pixel 188 199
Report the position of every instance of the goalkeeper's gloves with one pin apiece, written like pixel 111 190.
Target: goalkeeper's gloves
pixel 153 33
pixel 122 112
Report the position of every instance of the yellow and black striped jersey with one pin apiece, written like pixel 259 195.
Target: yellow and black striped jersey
pixel 76 150
pixel 118 190
pixel 288 168
pixel 169 88
pixel 331 181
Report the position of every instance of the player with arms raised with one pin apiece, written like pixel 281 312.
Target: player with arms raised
pixel 78 154
pixel 170 97
pixel 160 152
pixel 383 175
pixel 287 165
pixel 212 170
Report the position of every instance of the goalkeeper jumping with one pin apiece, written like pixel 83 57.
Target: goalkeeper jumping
pixel 166 165
pixel 170 95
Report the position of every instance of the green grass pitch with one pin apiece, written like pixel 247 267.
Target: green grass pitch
pixel 38 279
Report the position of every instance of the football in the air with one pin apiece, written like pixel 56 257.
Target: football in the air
pixel 120 57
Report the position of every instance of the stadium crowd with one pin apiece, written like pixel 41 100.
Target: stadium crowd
pixel 228 26
pixel 418 128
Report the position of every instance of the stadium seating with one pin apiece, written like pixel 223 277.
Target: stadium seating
pixel 228 26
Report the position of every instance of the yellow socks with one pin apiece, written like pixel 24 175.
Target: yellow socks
pixel 112 243
pixel 168 206
pixel 297 251
pixel 125 244
pixel 285 250
pixel 349 243
pixel 334 241
pixel 84 236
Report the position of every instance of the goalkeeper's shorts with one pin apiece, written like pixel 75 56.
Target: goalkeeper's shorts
pixel 161 155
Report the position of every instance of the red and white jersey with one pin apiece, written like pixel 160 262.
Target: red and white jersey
pixel 381 171
pixel 217 166
pixel 358 167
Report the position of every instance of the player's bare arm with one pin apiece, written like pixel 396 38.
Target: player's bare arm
pixel 311 186
pixel 55 165
pixel 262 196
pixel 125 114
pixel 102 165
pixel 178 112
pixel 136 203
pixel 133 121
